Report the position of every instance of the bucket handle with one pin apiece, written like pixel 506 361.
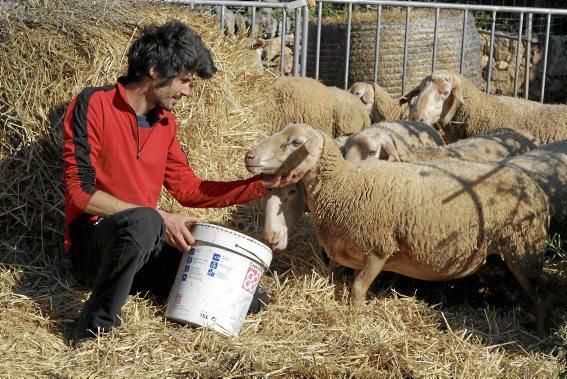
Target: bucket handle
pixel 259 260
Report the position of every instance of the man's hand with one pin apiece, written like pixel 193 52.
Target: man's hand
pixel 279 180
pixel 177 230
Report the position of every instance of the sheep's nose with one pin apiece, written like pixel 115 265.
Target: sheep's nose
pixel 249 156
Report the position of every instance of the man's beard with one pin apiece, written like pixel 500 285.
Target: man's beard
pixel 168 105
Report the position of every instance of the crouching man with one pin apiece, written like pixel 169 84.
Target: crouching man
pixel 120 147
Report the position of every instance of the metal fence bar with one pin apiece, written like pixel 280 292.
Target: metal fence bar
pixel 492 30
pixel 404 67
pixel 282 36
pixel 377 47
pixel 304 40
pixel 222 10
pixel 347 57
pixel 435 31
pixel 253 26
pixel 462 66
pixel 547 31
pixel 528 53
pixel 518 49
pixel 296 33
pixel 318 47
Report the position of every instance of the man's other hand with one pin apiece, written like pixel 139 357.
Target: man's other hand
pixel 279 180
pixel 177 230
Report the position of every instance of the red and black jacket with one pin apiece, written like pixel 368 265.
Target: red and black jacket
pixel 104 149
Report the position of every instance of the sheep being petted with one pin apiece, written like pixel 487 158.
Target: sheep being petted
pixel 305 100
pixel 380 105
pixel 284 208
pixel 433 221
pixel 486 147
pixel 462 110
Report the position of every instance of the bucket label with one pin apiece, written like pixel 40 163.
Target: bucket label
pixel 252 278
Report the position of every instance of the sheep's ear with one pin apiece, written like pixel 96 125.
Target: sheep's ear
pixel 368 97
pixel 457 93
pixel 389 152
pixel 258 43
pixel 410 95
pixel 450 106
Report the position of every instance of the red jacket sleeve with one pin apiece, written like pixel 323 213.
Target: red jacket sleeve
pixel 82 132
pixel 192 191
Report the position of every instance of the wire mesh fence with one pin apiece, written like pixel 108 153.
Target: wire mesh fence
pixel 509 22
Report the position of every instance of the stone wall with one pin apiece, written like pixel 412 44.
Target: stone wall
pixel 504 66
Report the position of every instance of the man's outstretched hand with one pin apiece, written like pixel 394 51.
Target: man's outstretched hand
pixel 280 180
pixel 177 230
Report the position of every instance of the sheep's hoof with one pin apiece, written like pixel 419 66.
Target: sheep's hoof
pixel 357 303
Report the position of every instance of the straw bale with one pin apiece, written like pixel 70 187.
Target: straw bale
pixel 49 51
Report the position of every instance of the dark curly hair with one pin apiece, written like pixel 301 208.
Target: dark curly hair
pixel 173 49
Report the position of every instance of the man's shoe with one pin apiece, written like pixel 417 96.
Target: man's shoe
pixel 259 301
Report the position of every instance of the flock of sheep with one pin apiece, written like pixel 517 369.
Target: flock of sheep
pixel 426 186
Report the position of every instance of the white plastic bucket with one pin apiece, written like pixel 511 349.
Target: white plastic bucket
pixel 217 278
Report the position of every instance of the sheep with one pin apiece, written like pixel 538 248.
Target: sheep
pixel 432 221
pixel 330 109
pixel 547 165
pixel 284 208
pixel 387 140
pixel 462 110
pixel 486 147
pixel 305 100
pixel 380 105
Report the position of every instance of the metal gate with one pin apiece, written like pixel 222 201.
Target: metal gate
pixel 302 17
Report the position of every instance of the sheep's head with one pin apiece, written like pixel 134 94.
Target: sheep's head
pixel 294 148
pixel 371 143
pixel 365 92
pixel 284 207
pixel 437 98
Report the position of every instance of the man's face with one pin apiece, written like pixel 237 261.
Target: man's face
pixel 168 95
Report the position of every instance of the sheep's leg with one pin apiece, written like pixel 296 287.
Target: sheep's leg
pixel 364 278
pixel 541 307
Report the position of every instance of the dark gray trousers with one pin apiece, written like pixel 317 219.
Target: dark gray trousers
pixel 121 254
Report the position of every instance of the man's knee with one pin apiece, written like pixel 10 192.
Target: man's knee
pixel 144 225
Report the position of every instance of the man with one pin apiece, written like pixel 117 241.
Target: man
pixel 120 147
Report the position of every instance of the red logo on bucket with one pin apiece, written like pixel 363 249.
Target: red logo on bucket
pixel 178 298
pixel 251 279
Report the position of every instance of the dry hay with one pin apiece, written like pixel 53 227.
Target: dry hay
pixel 49 53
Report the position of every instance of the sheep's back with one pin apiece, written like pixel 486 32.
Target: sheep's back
pixel 302 101
pixel 548 167
pixel 482 112
pixel 350 114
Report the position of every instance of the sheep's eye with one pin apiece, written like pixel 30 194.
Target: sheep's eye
pixel 446 93
pixel 297 143
pixel 292 192
pixel 372 153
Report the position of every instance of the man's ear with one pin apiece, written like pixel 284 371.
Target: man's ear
pixel 153 72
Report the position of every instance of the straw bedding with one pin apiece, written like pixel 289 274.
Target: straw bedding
pixel 48 54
